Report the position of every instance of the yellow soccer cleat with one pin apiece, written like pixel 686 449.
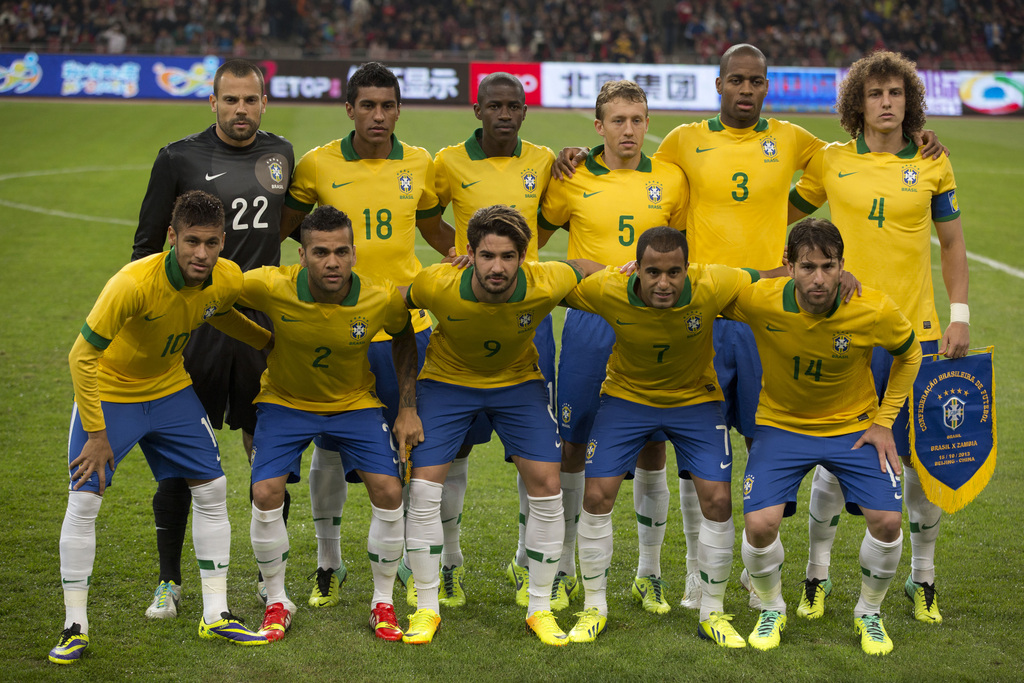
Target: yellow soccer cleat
pixel 230 628
pixel 327 586
pixel 649 591
pixel 565 589
pixel 405 576
pixel 767 634
pixel 452 592
pixel 70 646
pixel 543 623
pixel 718 629
pixel 812 600
pixel 520 579
pixel 926 607
pixel 423 624
pixel 591 624
pixel 873 638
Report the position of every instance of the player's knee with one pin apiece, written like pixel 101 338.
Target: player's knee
pixel 760 531
pixel 598 501
pixel 886 527
pixel 268 494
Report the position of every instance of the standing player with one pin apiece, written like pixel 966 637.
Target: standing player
pixel 817 398
pixel 494 166
pixel 884 196
pixel 387 187
pixel 131 388
pixel 248 169
pixel 617 194
pixel 318 382
pixel 482 360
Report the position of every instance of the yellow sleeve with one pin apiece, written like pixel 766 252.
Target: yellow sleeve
pixel 896 335
pixel 554 208
pixel 809 192
pixel 442 183
pixel 428 205
pixel 396 315
pixel 584 294
pixel 668 150
pixel 84 360
pixel 806 145
pixel 234 324
pixel 302 194
pixel 678 218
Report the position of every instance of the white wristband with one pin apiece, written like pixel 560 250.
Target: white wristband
pixel 959 313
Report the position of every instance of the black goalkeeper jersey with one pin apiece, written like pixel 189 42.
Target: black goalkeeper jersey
pixel 251 181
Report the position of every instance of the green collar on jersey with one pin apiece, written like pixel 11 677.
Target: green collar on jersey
pixel 349 152
pixel 476 152
pixel 790 305
pixel 596 168
pixel 302 289
pixel 716 125
pixel 174 275
pixel 466 287
pixel 632 287
pixel 908 152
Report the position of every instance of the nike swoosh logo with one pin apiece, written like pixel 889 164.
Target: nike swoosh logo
pixel 384 561
pixel 320 519
pixel 457 320
pixel 259 561
pixel 214 177
pixel 220 566
pixel 899 496
pixel 710 580
pixel 337 185
pixel 587 195
pixel 725 465
pixel 286 319
pixel 519 584
pixel 661 523
pixel 843 175
pixel 619 322
pixel 819 521
pixel 773 329
pixel 925 527
pixel 148 319
pixel 591 578
pixel 552 560
pixel 450 519
pixel 706 149
pixel 465 185
pixel 75 581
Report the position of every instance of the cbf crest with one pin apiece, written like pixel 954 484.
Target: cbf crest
pixel 405 184
pixel 566 414
pixel 357 328
pixel 748 485
pixel 210 310
pixel 654 192
pixel 694 323
pixel 525 319
pixel 529 181
pixel 840 344
pixel 909 175
pixel 591 448
pixel 770 149
pixel 953 413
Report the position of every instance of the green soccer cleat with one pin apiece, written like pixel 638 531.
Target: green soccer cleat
pixel 591 624
pixel 812 600
pixel 423 624
pixel 717 628
pixel 926 606
pixel 405 576
pixel 70 646
pixel 873 638
pixel 767 634
pixel 520 579
pixel 563 591
pixel 452 592
pixel 327 586
pixel 165 601
pixel 649 591
pixel 230 628
pixel 544 624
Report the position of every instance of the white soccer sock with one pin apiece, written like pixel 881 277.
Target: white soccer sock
pixel 572 502
pixel 384 545
pixel 524 514
pixel 453 498
pixel 328 492
pixel 715 561
pixel 689 504
pixel 595 541
pixel 924 528
pixel 269 537
pixel 765 568
pixel 650 502
pixel 423 539
pixel 211 538
pixel 78 554
pixel 822 520
pixel 544 537
pixel 878 563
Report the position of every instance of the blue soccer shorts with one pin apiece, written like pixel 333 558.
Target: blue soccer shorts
pixel 739 373
pixel 881 363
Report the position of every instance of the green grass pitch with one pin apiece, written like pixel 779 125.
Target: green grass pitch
pixel 70 186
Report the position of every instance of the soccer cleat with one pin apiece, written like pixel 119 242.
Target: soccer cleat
pixel 383 622
pixel 543 623
pixel 873 638
pixel 768 631
pixel 926 607
pixel 812 600
pixel 649 591
pixel 327 587
pixel 718 629
pixel 590 625
pixel 261 590
pixel 753 601
pixel 452 592
pixel 520 578
pixel 405 576
pixel 276 620
pixel 423 624
pixel 564 589
pixel 230 628
pixel 165 601
pixel 692 593
pixel 70 645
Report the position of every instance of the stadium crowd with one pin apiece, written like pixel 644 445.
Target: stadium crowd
pixel 937 33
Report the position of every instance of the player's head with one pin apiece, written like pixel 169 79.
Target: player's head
pixel 743 83
pixel 662 258
pixel 501 107
pixel 498 237
pixel 882 92
pixel 327 253
pixel 622 120
pixel 815 262
pixel 197 235
pixel 239 101
pixel 373 100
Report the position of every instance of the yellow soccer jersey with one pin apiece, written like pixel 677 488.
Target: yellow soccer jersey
pixel 140 323
pixel 469 180
pixel 319 362
pixel 661 357
pixel 817 368
pixel 608 210
pixel 382 197
pixel 884 205
pixel 485 345
pixel 739 183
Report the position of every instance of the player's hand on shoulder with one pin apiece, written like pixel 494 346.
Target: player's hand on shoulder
pixel 457 261
pixel 567 161
pixel 628 268
pixel 929 143
pixel 848 284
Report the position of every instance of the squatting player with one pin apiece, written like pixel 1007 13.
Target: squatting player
pixel 818 407
pixel 482 360
pixel 318 382
pixel 884 196
pixel 131 388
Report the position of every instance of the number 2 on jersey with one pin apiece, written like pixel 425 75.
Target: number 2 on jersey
pixel 240 206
